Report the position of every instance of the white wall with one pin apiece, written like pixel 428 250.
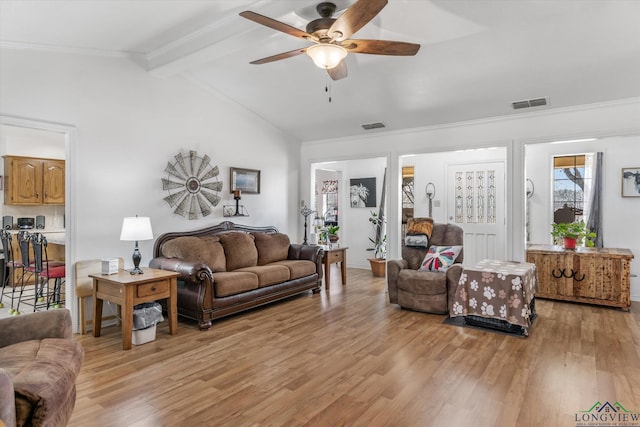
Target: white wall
pixel 355 228
pixel 513 133
pixel 619 214
pixel 358 229
pixel 128 126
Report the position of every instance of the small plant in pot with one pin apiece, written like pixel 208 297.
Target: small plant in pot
pixel 378 263
pixel 332 232
pixel 573 234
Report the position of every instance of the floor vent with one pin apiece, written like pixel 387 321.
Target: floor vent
pixel 376 125
pixel 537 102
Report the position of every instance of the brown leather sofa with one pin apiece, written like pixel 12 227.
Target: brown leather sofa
pixel 39 364
pixel 228 268
pixel 427 291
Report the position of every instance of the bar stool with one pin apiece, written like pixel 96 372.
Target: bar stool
pixel 24 243
pixel 43 272
pixel 10 265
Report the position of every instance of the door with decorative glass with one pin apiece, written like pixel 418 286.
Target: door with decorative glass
pixel 476 202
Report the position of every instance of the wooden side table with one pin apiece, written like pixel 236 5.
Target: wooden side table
pixel 334 256
pixel 127 290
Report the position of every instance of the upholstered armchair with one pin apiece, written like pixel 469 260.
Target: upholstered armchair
pixel 423 289
pixel 39 363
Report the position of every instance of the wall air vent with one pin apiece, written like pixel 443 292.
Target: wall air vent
pixel 537 102
pixel 376 125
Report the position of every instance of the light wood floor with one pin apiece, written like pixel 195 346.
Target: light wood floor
pixel 350 358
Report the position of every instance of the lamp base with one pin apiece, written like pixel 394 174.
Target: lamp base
pixel 136 270
pixel 136 261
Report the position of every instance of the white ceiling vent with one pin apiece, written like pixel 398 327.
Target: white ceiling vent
pixel 376 125
pixel 537 102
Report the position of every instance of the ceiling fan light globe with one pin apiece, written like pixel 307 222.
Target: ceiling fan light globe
pixel 326 55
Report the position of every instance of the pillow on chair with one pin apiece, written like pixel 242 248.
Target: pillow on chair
pixel 416 240
pixel 416 226
pixel 439 258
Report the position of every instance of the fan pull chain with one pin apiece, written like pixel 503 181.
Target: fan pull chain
pixel 327 87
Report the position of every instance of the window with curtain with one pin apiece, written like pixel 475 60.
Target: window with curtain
pixel 571 181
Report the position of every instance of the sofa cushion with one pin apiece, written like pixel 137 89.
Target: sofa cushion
pixel 268 274
pixel 233 282
pixel 271 247
pixel 239 249
pixel 206 250
pixel 44 374
pixel 298 268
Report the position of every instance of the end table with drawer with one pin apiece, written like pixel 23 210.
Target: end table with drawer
pixel 334 256
pixel 128 290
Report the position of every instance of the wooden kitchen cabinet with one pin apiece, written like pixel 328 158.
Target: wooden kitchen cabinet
pixel 589 275
pixel 53 182
pixel 34 181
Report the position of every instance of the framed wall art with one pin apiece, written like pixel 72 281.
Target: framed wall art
pixel 631 182
pixel 362 192
pixel 245 180
pixel 193 185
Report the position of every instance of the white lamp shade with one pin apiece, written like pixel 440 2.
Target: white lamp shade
pixel 136 228
pixel 326 55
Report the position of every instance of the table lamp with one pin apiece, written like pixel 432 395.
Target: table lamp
pixel 135 228
pixel 305 211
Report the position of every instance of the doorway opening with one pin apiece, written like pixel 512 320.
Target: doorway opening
pixel 37 138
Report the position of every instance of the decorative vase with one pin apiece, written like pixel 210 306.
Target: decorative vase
pixel 570 243
pixel 378 266
pixel 333 238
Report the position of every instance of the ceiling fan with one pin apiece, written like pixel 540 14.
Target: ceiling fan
pixel 331 36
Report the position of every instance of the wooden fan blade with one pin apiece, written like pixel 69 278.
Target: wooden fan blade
pixel 354 18
pixel 280 56
pixel 276 25
pixel 381 47
pixel 339 71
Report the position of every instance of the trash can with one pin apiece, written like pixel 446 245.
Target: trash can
pixel 145 318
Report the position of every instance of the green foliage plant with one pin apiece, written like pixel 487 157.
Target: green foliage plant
pixel 574 230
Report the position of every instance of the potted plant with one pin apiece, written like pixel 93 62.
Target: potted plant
pixel 378 262
pixel 332 231
pixel 573 233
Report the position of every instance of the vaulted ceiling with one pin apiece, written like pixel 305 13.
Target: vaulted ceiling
pixel 477 56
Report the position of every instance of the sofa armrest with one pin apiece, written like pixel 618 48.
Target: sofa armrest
pixel 7 400
pixel 394 266
pixel 197 279
pixel 307 252
pixel 36 326
pixel 194 272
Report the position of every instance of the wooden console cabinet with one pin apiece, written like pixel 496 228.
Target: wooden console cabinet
pixel 34 181
pixel 589 275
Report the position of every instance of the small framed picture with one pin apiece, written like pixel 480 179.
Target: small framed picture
pixel 245 180
pixel 631 182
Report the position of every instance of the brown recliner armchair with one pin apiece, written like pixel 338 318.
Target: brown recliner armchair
pixel 427 291
pixel 39 363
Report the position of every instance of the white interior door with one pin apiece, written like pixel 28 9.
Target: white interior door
pixel 476 202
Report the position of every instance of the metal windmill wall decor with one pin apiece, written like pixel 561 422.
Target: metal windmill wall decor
pixel 193 185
